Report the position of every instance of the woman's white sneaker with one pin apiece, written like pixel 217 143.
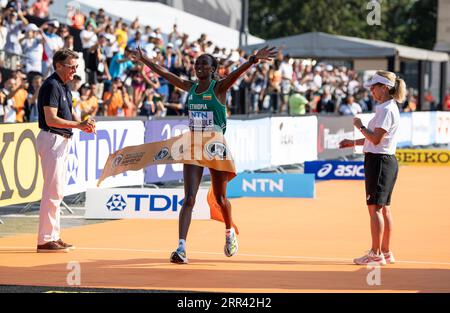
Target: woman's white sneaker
pixel 370 258
pixel 389 257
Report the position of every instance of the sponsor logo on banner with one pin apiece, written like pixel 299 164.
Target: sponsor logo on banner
pixel 340 170
pixel 272 186
pixel 424 157
pixel 248 140
pixel 423 130
pixel 404 131
pixel 216 150
pixel 88 154
pixel 293 140
pixel 142 203
pixel 116 203
pixel 162 155
pixel 442 127
pixel 20 170
pixel 161 130
pixel 331 131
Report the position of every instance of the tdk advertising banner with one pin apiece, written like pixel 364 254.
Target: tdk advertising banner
pixel 259 185
pixel 341 170
pixel 142 203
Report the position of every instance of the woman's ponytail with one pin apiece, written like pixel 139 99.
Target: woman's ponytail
pixel 399 91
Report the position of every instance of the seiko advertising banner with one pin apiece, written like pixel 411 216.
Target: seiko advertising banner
pixel 293 140
pixel 340 170
pixel 20 168
pixel 261 185
pixel 423 128
pixel 249 142
pixel 88 154
pixel 142 203
pixel 331 131
pixel 442 127
pixel 424 157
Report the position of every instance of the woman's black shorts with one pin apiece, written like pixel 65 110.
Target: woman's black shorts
pixel 381 172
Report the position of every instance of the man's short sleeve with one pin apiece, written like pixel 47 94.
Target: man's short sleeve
pixel 50 95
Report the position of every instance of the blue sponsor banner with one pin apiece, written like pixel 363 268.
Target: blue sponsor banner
pixel 160 130
pixel 342 170
pixel 272 186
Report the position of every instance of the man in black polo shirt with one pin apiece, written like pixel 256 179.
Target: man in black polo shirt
pixel 56 120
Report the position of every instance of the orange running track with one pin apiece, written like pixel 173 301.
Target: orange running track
pixel 286 245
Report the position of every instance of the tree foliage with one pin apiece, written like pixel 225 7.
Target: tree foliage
pixel 407 22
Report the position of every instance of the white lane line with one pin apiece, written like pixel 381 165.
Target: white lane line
pixel 292 257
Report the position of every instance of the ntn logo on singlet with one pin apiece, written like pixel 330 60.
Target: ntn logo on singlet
pixel 203 120
pixel 200 114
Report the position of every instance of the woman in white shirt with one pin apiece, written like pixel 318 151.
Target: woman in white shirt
pixel 380 164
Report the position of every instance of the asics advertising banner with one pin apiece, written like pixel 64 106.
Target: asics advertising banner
pixel 340 170
pixel 260 185
pixel 142 203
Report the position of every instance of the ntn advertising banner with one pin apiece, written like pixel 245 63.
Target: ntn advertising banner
pixel 249 142
pixel 423 157
pixel 20 167
pixel 260 185
pixel 339 170
pixel 161 130
pixel 331 131
pixel 88 154
pixel 142 203
pixel 442 127
pixel 423 128
pixel 293 140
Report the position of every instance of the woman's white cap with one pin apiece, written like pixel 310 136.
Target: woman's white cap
pixel 378 79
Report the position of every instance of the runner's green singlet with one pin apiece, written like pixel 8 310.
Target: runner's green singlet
pixel 206 113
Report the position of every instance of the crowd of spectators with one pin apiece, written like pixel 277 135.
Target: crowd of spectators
pixel 108 83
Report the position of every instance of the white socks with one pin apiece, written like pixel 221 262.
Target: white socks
pixel 229 232
pixel 182 244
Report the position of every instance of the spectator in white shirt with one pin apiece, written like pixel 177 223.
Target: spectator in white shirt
pixel 52 43
pixel 350 107
pixel 32 48
pixel 14 29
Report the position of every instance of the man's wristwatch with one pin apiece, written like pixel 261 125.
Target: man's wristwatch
pixel 362 127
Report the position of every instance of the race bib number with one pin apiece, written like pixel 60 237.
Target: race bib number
pixel 201 120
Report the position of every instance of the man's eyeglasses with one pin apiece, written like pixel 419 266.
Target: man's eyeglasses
pixel 72 67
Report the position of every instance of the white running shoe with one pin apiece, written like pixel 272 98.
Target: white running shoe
pixel 231 245
pixel 371 258
pixel 389 257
